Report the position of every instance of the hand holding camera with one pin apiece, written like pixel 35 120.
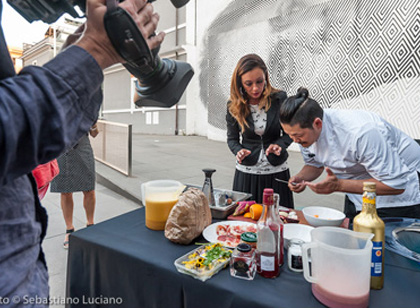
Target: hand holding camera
pixel 95 39
pixel 121 32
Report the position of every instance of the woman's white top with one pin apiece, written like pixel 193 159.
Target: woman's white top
pixel 262 166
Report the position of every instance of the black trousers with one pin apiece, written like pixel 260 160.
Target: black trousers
pixel 411 211
pixel 255 184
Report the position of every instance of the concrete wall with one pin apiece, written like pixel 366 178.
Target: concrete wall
pixel 40 58
pixel 117 89
pixel 158 122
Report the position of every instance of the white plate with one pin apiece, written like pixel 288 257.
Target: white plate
pixel 210 233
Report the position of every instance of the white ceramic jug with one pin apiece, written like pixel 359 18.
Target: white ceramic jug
pixel 340 266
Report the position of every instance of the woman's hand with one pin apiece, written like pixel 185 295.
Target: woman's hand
pixel 240 156
pixel 273 148
pixel 94 130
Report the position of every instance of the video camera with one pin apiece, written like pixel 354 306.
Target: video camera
pixel 161 82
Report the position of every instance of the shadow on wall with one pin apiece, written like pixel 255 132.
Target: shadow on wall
pixel 350 55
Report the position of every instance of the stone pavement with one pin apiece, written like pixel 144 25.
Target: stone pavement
pixel 180 158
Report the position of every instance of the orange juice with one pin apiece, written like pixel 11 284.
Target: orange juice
pixel 158 207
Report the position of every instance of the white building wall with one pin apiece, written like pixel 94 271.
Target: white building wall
pixel 357 54
pixel 199 16
pixel 350 55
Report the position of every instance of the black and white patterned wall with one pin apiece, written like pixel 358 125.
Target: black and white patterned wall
pixel 353 54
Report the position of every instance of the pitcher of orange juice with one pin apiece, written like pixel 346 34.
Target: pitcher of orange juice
pixel 159 197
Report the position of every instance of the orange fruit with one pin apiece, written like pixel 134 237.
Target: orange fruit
pixel 247 215
pixel 255 210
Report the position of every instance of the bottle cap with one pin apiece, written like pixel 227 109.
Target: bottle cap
pixel 250 237
pixel 268 196
pixel 243 247
pixel 369 186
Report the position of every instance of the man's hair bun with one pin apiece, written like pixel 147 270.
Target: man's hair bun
pixel 302 93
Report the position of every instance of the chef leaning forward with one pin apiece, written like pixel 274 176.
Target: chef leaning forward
pixel 353 146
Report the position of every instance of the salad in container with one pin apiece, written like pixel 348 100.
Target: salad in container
pixel 205 261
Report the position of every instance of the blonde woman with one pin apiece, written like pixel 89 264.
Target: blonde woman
pixel 254 134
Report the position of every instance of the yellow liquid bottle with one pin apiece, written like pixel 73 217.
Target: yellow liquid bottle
pixel 369 221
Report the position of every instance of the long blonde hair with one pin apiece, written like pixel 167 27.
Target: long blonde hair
pixel 238 105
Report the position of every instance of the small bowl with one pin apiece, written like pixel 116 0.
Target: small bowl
pixel 323 216
pixel 299 231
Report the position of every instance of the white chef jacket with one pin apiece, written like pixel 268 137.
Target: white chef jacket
pixel 357 144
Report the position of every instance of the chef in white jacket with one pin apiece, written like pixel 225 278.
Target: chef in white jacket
pixel 353 146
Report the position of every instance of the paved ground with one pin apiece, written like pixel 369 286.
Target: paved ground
pixel 179 158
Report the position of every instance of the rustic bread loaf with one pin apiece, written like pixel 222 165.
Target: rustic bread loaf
pixel 189 217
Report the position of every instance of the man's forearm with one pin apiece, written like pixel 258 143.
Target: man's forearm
pixel 356 187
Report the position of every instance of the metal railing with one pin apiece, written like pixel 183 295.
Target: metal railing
pixel 113 146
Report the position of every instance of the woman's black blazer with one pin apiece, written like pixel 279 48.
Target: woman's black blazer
pixel 273 134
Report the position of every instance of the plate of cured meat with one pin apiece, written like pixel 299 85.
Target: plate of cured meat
pixel 228 233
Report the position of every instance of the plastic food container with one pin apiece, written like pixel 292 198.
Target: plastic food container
pixel 159 197
pixel 194 263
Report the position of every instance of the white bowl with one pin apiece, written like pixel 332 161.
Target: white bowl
pixel 323 216
pixel 299 231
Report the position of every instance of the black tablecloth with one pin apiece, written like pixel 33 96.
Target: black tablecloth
pixel 121 261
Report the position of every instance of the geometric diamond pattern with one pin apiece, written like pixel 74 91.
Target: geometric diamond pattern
pixel 349 54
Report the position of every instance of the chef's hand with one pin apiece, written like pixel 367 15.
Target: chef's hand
pixel 240 156
pixel 273 148
pixel 329 185
pixel 298 185
pixel 95 39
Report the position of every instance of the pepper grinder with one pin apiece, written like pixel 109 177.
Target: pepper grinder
pixel 208 186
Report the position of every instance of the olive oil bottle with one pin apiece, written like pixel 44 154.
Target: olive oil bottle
pixel 369 221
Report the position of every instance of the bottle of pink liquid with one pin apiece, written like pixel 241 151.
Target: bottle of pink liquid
pixel 269 253
pixel 276 217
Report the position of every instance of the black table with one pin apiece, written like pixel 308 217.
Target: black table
pixel 121 263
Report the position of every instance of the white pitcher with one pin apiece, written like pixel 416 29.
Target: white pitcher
pixel 340 266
